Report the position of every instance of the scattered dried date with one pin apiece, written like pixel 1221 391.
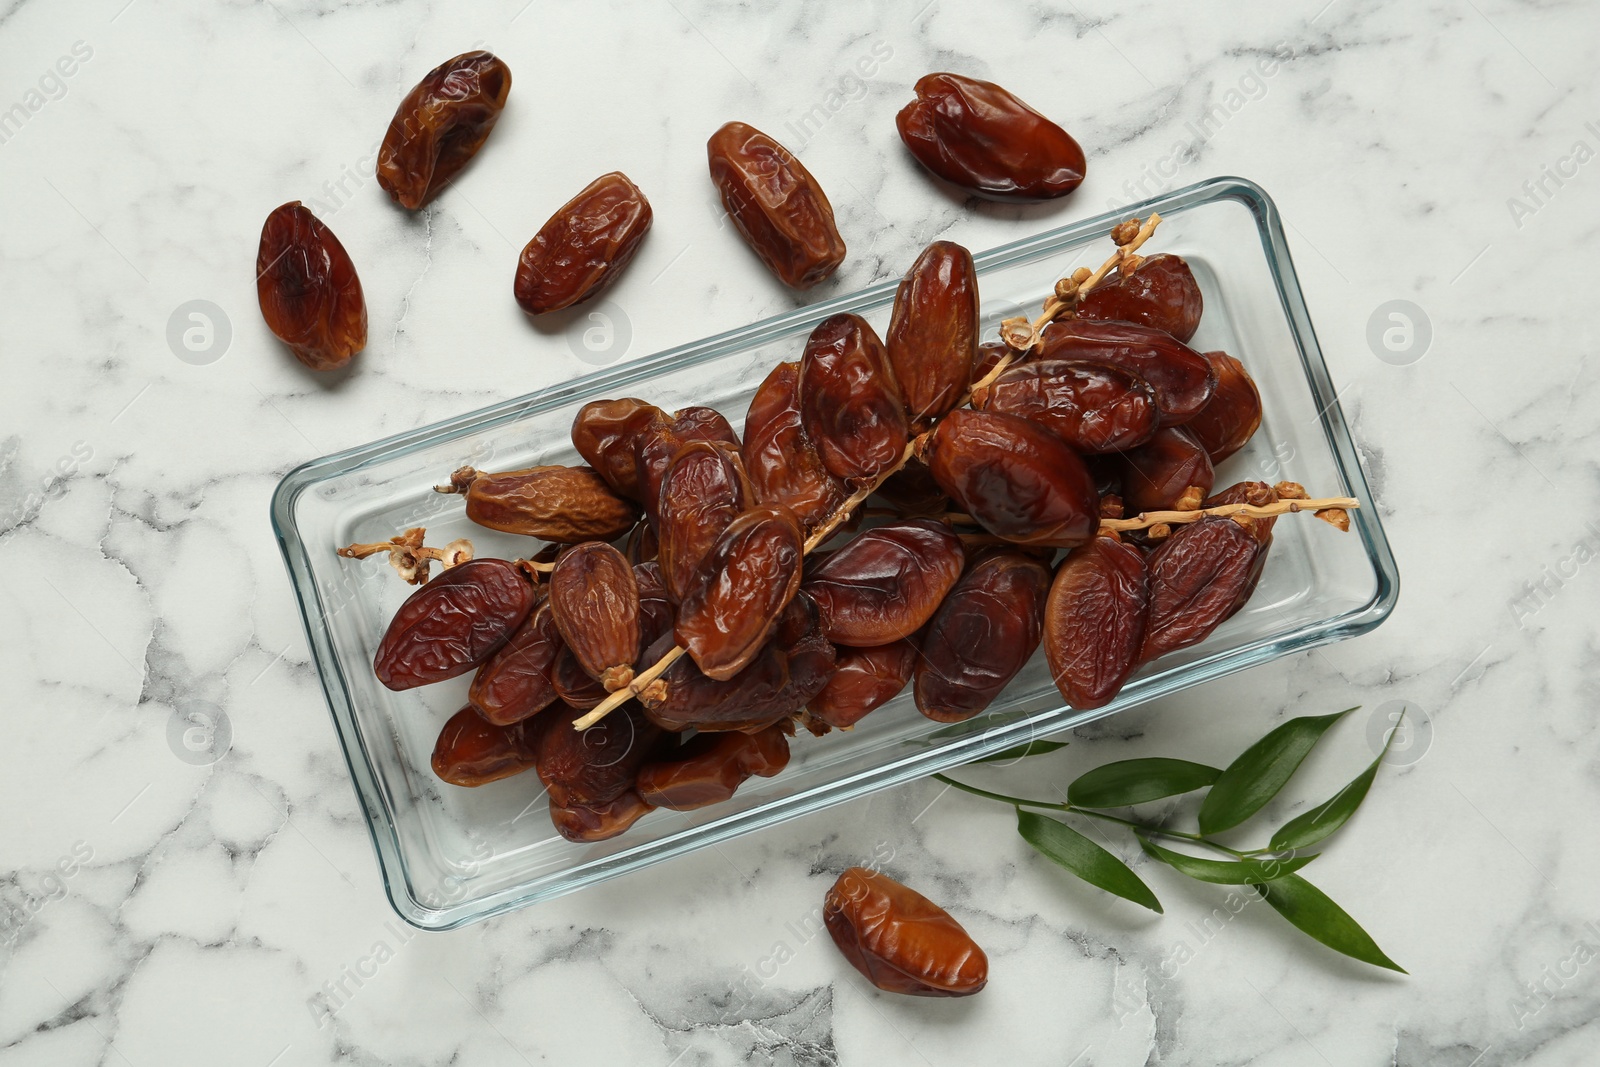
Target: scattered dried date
pixel 584 246
pixel 308 288
pixel 440 126
pixel 900 940
pixel 775 204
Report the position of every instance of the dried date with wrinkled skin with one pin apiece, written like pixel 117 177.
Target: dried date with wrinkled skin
pixel 775 204
pixel 586 823
pixel 1161 294
pixel 912 492
pixel 977 135
pixel 1233 414
pixel 656 610
pixel 747 578
pixel 933 331
pixel 471 751
pixel 899 940
pixel 1016 478
pixel 515 682
pixel 709 768
pixel 864 680
pixel 782 462
pixel 594 766
pixel 440 126
pixel 1155 474
pixel 1094 407
pixel 982 635
pixel 566 505
pixel 660 440
pixel 573 684
pixel 850 404
pixel 1181 377
pixel 683 698
pixel 594 600
pixel 885 583
pixel 642 544
pixel 1258 494
pixel 584 246
pixel 606 432
pixel 453 623
pixel 308 288
pixel 1199 576
pixel 703 491
pixel 1094 621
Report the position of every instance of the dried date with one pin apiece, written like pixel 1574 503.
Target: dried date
pixel 885 583
pixel 308 289
pixel 933 332
pixel 900 940
pixel 1257 494
pixel 1199 576
pixel 440 126
pixel 776 205
pixel 1016 478
pixel 1157 473
pixel 977 135
pixel 1181 377
pixel 1233 414
pixel 782 462
pixel 515 682
pixel 594 600
pixel 703 491
pixel 584 246
pixel 746 580
pixel 566 505
pixel 864 679
pixel 984 632
pixel 595 766
pixel 850 404
pixel 1094 407
pixel 659 441
pixel 1094 621
pixel 606 434
pixel 586 823
pixel 1160 293
pixel 453 623
pixel 471 751
pixel 709 768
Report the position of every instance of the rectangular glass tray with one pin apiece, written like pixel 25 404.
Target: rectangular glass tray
pixel 452 856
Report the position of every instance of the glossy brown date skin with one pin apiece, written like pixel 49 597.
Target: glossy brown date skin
pixel 472 752
pixel 1258 494
pixel 885 583
pixel 709 768
pixel 453 623
pixel 990 353
pixel 1016 478
pixel 747 578
pixel 308 289
pixel 586 823
pixel 776 205
pixel 440 126
pixel 933 331
pixel 515 682
pixel 1161 294
pixel 606 433
pixel 1181 377
pixel 659 441
pixel 912 492
pixel 982 635
pixel 900 940
pixel 683 698
pixel 1094 407
pixel 703 491
pixel 782 462
pixel 566 505
pixel 594 600
pixel 1094 621
pixel 584 246
pixel 1199 576
pixel 1156 473
pixel 656 610
pixel 977 135
pixel 864 680
pixel 573 684
pixel 850 404
pixel 1233 414
pixel 595 766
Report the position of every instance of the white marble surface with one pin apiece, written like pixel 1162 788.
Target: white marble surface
pixel 204 906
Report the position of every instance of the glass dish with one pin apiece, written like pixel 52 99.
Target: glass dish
pixel 452 856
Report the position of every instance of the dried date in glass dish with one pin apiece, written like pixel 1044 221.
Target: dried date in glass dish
pixel 1181 377
pixel 594 766
pixel 776 205
pixel 1233 414
pixel 565 505
pixel 1094 621
pixel 850 404
pixel 440 126
pixel 606 433
pixel 659 441
pixel 1200 575
pixel 864 679
pixel 515 682
pixel 703 491
pixel 984 632
pixel 745 582
pixel 899 940
pixel 709 768
pixel 1157 473
pixel 1094 407
pixel 885 583
pixel 1160 293
pixel 783 464
pixel 594 601
pixel 452 624
pixel 977 135
pixel 586 823
pixel 308 289
pixel 1016 478
pixel 584 246
pixel 471 751
pixel 933 331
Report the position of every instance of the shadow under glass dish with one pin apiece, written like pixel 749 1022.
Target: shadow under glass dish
pixel 452 856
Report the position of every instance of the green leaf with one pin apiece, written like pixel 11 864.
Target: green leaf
pixel 1261 771
pixel 1062 844
pixel 1031 748
pixel 1224 872
pixel 1309 908
pixel 1134 781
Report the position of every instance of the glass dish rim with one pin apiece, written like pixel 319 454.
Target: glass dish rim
pixel 380 820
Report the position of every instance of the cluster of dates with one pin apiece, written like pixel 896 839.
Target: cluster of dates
pixel 972 133
pixel 676 594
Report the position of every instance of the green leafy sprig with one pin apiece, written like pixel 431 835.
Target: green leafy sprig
pixel 1234 794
